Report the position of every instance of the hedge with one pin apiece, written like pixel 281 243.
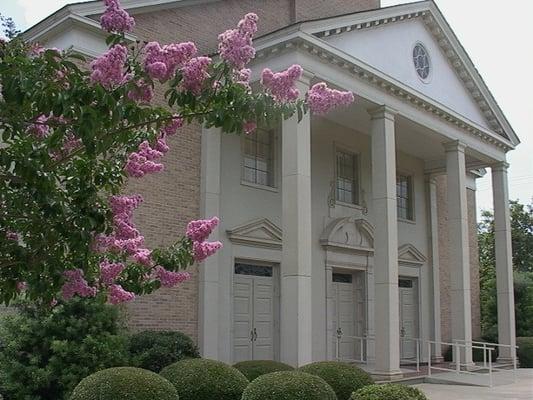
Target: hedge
pixel 525 351
pixel 342 377
pixel 389 391
pixel 289 385
pixel 255 368
pixel 200 379
pixel 124 383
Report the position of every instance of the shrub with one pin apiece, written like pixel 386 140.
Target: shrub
pixel 289 385
pixel 200 379
pixel 124 383
pixel 255 368
pixel 45 353
pixel 389 391
pixel 155 350
pixel 343 378
pixel 525 351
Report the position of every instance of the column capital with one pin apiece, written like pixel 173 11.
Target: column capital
pixel 500 166
pixel 455 145
pixel 383 111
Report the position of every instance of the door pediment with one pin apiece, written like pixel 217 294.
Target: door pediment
pixel 409 254
pixel 348 234
pixel 259 232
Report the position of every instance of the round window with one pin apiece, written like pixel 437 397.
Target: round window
pixel 421 61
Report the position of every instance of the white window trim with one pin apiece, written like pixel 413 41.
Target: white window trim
pixel 275 169
pixel 357 154
pixel 411 175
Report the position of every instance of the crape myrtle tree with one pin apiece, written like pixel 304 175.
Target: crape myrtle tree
pixel 71 136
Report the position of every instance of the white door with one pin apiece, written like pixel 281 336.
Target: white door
pixel 254 313
pixel 408 291
pixel 344 314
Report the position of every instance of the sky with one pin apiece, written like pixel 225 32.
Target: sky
pixel 495 34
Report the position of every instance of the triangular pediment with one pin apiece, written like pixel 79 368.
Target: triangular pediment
pixel 409 254
pixel 260 232
pixel 385 38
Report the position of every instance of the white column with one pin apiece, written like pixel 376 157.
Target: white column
pixel 459 250
pixel 387 350
pixel 296 306
pixel 435 267
pixel 330 329
pixel 208 312
pixel 504 261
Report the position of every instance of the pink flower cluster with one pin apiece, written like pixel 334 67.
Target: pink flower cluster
pixel 116 294
pixel 170 279
pixel 115 18
pixel 21 286
pixel 162 62
pixel 108 69
pixel 39 129
pixel 235 45
pixel 242 77
pixel 70 143
pixel 171 127
pixel 76 284
pixel 198 231
pixel 109 271
pixel 195 73
pixel 142 92
pixel 142 162
pixel 249 127
pixel 281 85
pixel 14 236
pixel 322 99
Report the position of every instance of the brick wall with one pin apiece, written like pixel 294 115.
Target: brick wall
pixel 444 251
pixel 172 197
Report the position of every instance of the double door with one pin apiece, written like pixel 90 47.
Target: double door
pixel 408 291
pixel 255 314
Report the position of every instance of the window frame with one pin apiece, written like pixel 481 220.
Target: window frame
pixel 357 175
pixel 273 169
pixel 411 196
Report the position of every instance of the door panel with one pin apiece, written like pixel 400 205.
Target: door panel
pixel 242 317
pixel 408 292
pixel 263 346
pixel 344 318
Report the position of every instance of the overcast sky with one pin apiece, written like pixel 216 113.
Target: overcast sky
pixel 497 35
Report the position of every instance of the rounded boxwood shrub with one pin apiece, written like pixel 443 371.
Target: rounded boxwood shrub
pixel 124 383
pixel 200 379
pixel 389 391
pixel 342 377
pixel 155 350
pixel 289 385
pixel 525 351
pixel 254 368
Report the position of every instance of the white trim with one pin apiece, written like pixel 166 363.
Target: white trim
pixel 243 234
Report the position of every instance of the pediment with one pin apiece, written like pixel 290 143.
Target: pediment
pixel 349 234
pixel 384 39
pixel 409 254
pixel 259 232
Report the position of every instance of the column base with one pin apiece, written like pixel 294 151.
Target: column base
pixel 505 360
pixel 437 359
pixel 386 375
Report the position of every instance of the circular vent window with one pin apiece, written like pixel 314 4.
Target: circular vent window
pixel 421 61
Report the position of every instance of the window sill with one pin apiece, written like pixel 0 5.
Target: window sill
pixel 407 221
pixel 257 186
pixel 349 205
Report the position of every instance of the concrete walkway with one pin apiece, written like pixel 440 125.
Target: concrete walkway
pixel 521 390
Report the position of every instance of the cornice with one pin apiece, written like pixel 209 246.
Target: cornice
pixel 319 49
pixel 466 73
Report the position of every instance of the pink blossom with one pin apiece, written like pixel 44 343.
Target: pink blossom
pixel 242 77
pixel 108 69
pixel 281 85
pixel 70 143
pixel 170 279
pixel 249 127
pixel 171 127
pixel 202 250
pixel 39 129
pixel 142 92
pixel 199 230
pixel 235 45
pixel 53 303
pixel 161 145
pixel 143 256
pixel 116 294
pixel 21 286
pixel 115 18
pixel 322 99
pixel 76 284
pixel 110 271
pixel 142 162
pixel 195 73
pixel 14 236
pixel 161 62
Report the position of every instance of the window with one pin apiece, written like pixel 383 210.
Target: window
pixel 347 182
pixel 250 269
pixel 258 163
pixel 342 278
pixel 404 197
pixel 421 61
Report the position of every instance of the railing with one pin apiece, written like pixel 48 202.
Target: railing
pixel 418 347
pixel 362 346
